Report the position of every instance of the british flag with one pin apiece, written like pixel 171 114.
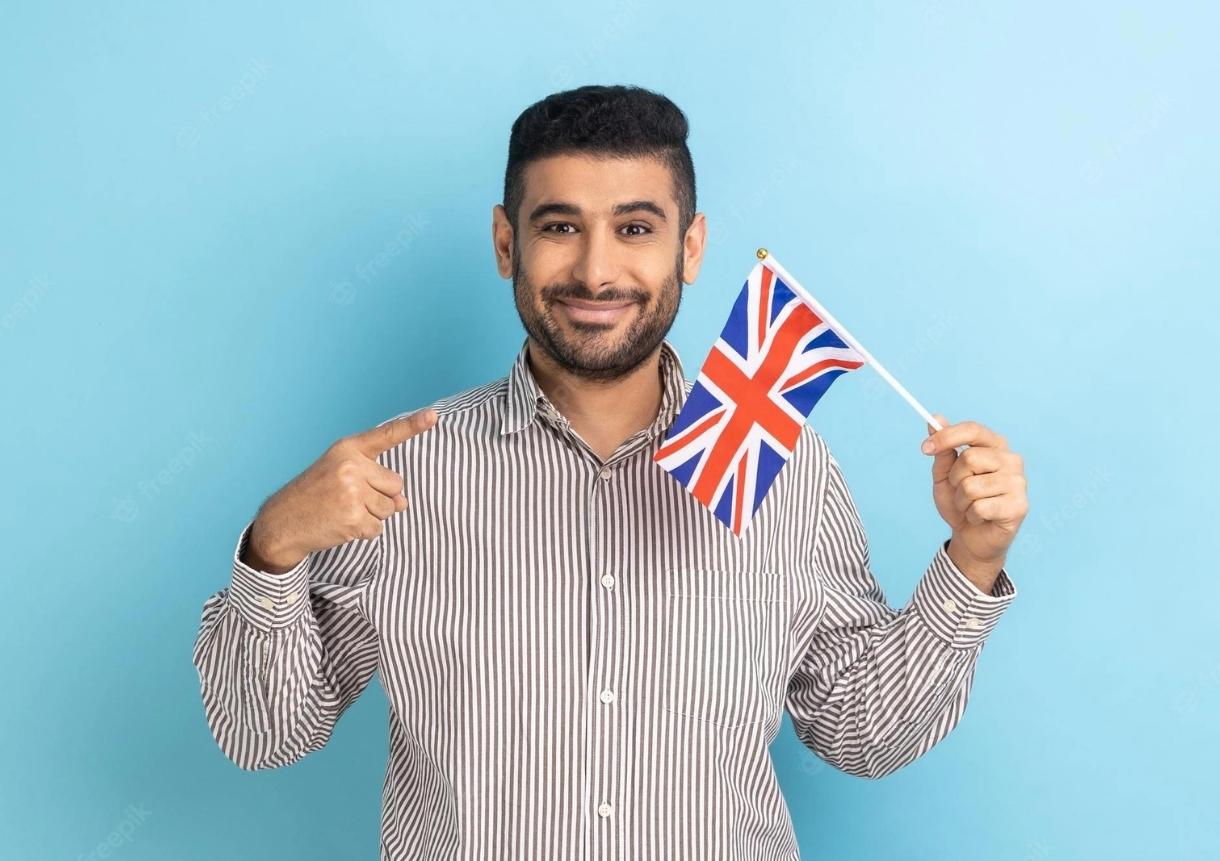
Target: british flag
pixel 772 363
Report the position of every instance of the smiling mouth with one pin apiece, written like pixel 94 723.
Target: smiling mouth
pixel 584 311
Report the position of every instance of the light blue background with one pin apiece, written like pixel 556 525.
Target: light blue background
pixel 228 237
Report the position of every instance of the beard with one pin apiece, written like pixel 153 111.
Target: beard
pixel 587 351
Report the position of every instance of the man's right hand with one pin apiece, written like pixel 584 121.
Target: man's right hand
pixel 344 495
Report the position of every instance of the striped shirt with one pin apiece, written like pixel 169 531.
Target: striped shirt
pixel 581 661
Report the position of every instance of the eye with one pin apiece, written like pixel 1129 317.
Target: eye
pixel 643 228
pixel 546 228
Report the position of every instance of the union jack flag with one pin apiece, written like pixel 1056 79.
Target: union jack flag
pixel 772 363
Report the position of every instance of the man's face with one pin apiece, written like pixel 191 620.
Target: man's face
pixel 597 260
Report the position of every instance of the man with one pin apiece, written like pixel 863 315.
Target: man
pixel 581 661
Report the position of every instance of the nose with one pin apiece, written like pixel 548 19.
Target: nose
pixel 597 266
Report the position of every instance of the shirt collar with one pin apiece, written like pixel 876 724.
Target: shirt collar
pixel 525 399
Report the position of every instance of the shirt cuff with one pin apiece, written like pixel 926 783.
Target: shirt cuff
pixel 955 609
pixel 265 600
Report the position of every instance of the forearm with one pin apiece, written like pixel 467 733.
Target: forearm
pixel 886 685
pixel 266 657
pixel 261 552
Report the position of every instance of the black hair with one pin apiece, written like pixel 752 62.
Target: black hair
pixel 607 121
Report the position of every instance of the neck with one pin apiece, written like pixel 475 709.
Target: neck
pixel 602 412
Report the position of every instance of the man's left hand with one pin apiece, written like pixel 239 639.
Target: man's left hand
pixel 980 493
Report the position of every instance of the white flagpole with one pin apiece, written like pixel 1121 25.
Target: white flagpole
pixel 847 336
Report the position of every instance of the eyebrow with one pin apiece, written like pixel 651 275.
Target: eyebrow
pixel 571 209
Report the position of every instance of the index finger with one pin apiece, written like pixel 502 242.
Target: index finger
pixel 965 433
pixel 388 434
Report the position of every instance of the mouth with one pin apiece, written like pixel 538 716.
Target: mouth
pixel 604 313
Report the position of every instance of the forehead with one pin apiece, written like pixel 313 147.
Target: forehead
pixel 595 183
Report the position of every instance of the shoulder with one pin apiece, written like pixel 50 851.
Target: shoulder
pixel 482 401
pixel 812 449
pixel 472 412
pixel 486 399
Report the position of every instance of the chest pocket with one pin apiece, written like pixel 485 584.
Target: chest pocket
pixel 724 637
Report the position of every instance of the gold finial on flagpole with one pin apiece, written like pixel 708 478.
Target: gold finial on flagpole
pixel 761 253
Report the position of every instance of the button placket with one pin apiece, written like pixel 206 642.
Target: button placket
pixel 606 657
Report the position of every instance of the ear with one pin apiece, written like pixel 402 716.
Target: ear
pixel 502 240
pixel 692 248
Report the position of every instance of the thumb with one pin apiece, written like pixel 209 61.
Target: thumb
pixel 944 460
pixel 944 422
pixel 388 434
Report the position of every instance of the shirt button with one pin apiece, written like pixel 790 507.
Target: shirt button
pixel 604 474
pixel 266 603
pixel 607 696
pixel 604 810
pixel 950 605
pixel 608 580
pixel 972 622
pixel 291 597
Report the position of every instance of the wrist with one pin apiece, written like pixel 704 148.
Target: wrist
pixel 265 554
pixel 981 572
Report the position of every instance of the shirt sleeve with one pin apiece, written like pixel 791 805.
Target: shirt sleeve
pixel 280 657
pixel 877 687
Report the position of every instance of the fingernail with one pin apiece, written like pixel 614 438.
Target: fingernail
pixel 928 446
